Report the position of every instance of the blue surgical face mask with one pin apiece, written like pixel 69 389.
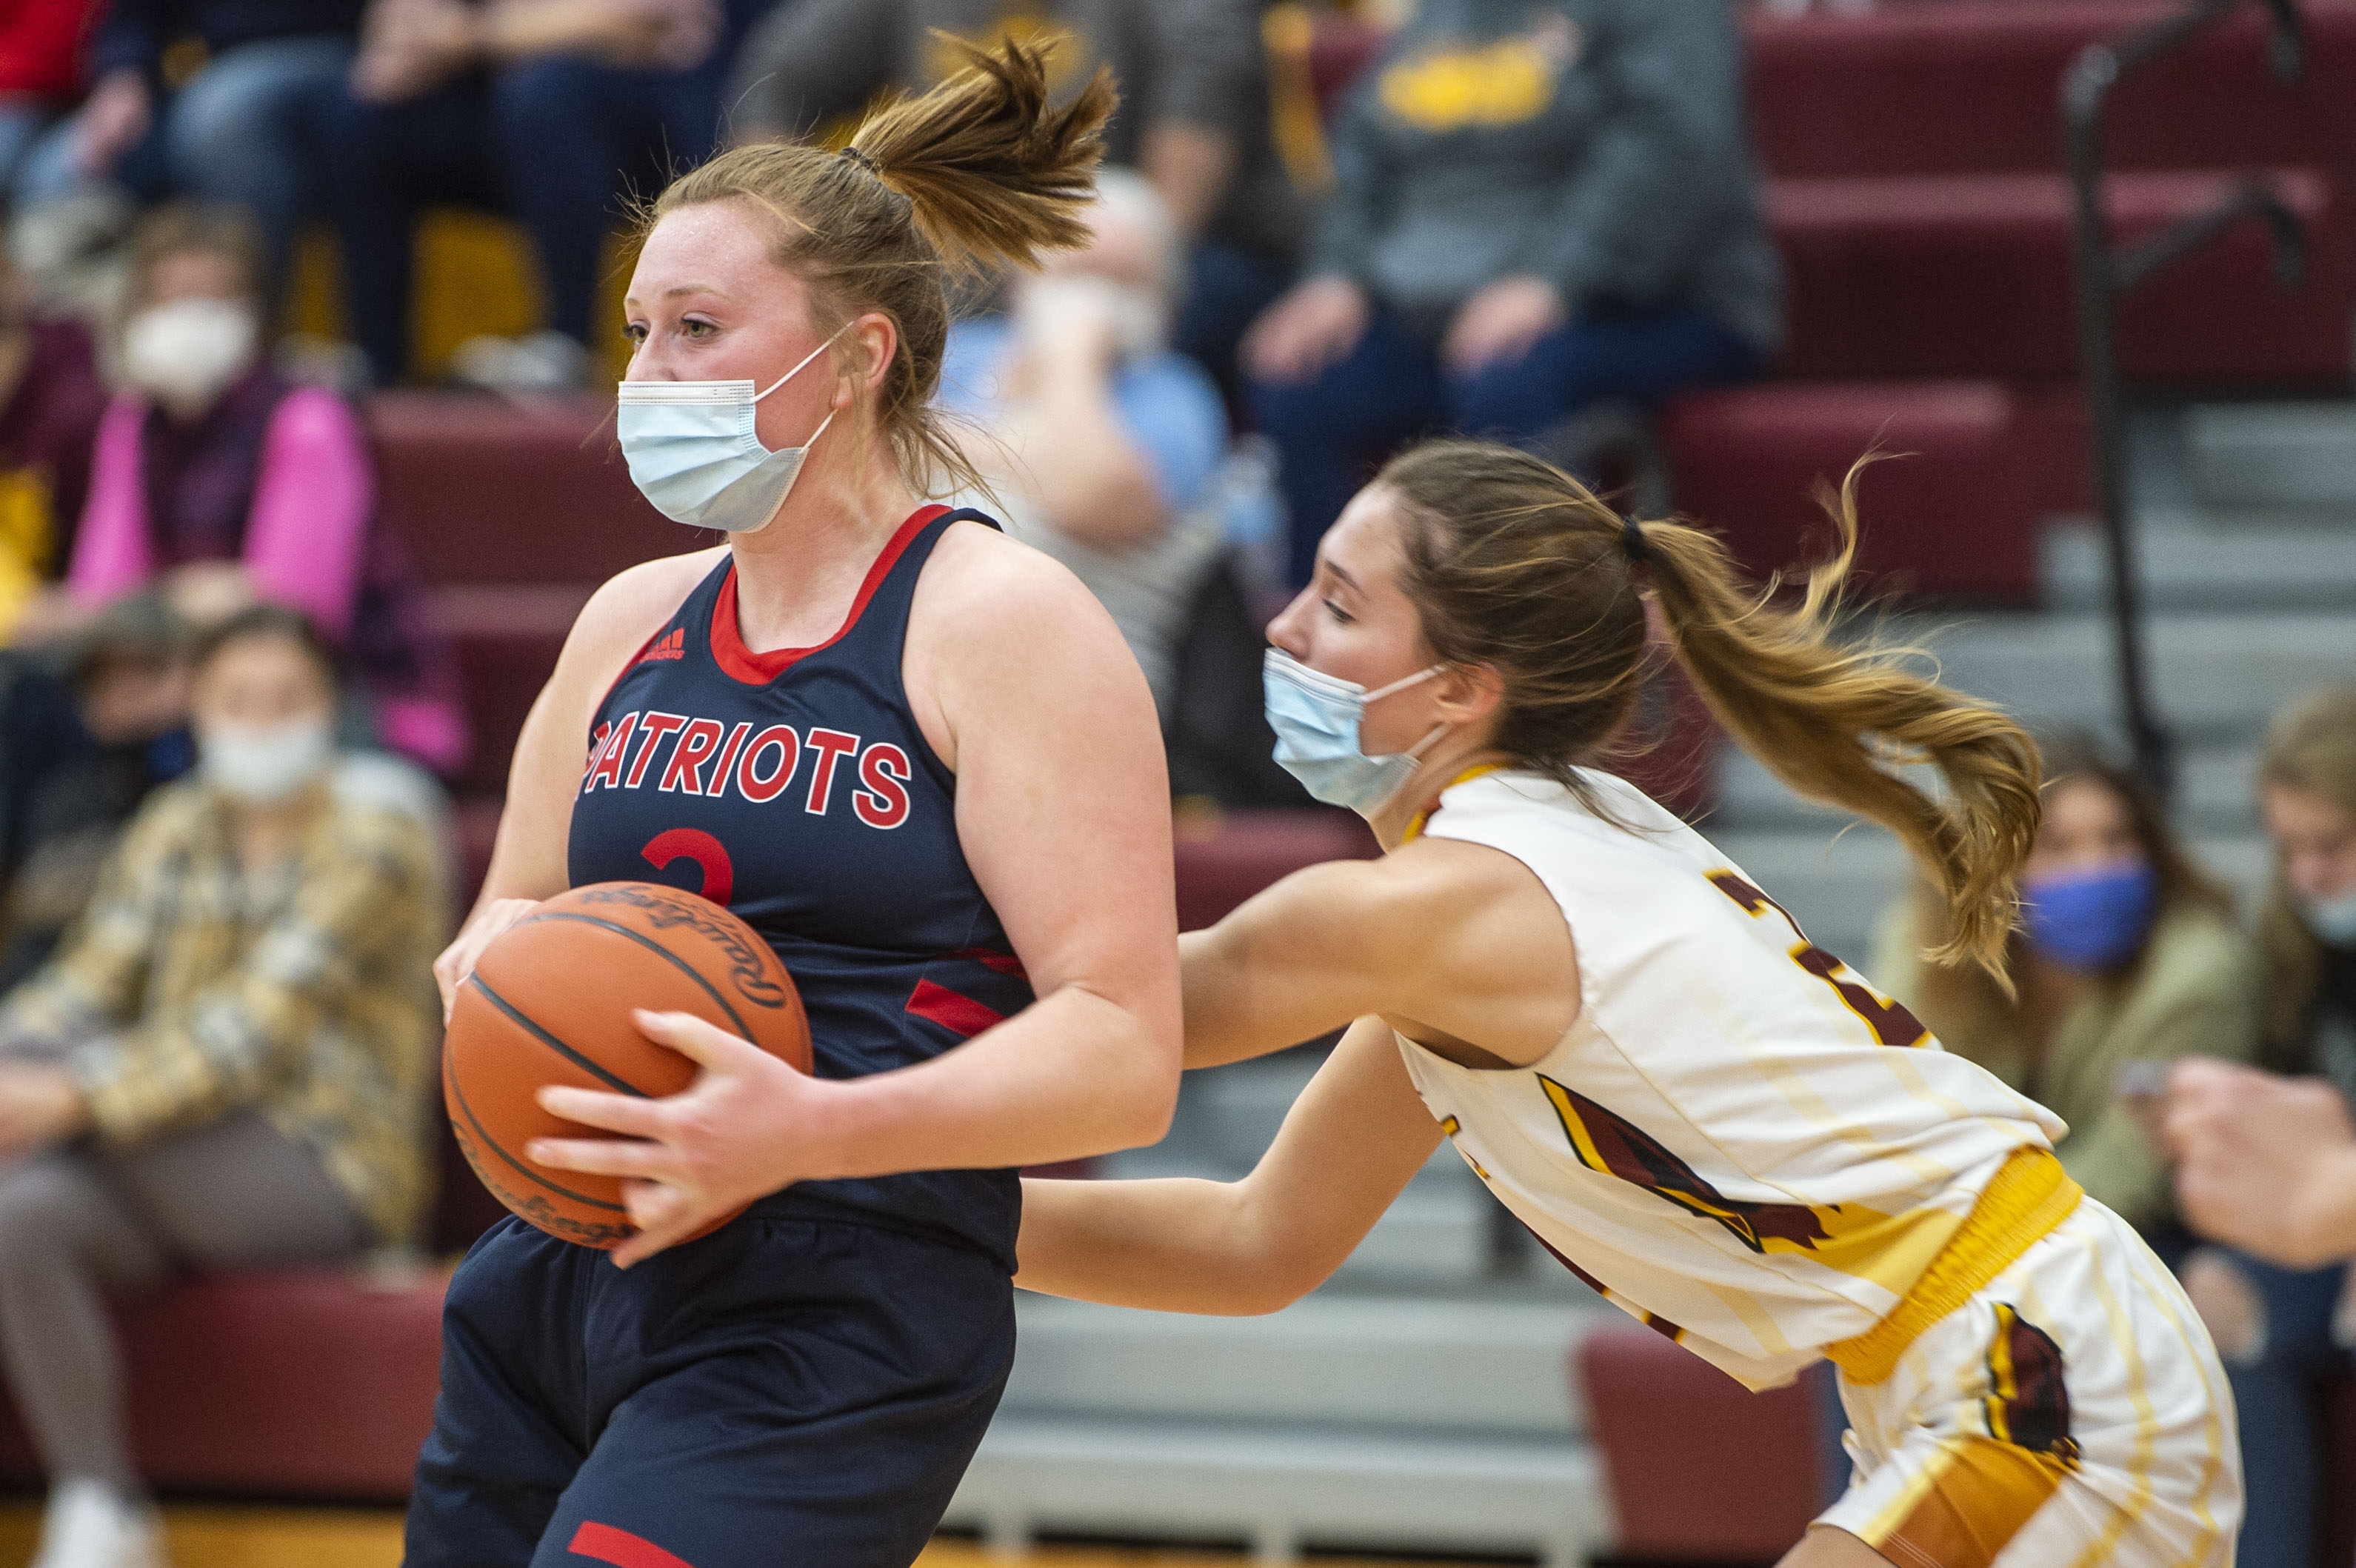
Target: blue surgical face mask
pixel 692 451
pixel 2332 920
pixel 1316 719
pixel 2091 920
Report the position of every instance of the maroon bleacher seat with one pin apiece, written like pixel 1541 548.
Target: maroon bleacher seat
pixel 1974 86
pixel 1955 518
pixel 493 489
pixel 1701 1470
pixel 1224 859
pixel 1946 275
pixel 283 1382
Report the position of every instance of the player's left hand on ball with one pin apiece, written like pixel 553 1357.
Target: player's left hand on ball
pixel 727 1139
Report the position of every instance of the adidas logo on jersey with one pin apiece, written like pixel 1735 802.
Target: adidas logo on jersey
pixel 671 646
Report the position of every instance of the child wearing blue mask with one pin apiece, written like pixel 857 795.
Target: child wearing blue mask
pixel 2127 953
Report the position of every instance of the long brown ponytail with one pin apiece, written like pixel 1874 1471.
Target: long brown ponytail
pixel 981 169
pixel 1515 563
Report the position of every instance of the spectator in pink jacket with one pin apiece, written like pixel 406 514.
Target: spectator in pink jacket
pixel 214 472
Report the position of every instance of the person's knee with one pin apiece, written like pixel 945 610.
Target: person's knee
pixel 2230 1304
pixel 45 1207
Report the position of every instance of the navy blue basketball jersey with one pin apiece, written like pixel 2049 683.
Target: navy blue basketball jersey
pixel 795 788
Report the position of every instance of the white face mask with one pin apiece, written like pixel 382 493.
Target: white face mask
pixel 265 765
pixel 189 350
pixel 692 450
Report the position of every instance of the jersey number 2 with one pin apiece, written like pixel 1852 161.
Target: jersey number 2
pixel 695 845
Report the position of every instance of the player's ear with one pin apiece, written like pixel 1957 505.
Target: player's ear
pixel 1469 692
pixel 871 340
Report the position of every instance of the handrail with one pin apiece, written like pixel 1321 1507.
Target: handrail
pixel 2104 272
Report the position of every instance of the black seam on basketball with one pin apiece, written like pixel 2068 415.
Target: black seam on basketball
pixel 553 1044
pixel 684 967
pixel 492 1143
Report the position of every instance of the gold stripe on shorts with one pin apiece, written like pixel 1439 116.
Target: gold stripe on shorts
pixel 1981 1492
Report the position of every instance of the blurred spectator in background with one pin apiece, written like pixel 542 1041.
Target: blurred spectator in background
pixel 83 737
pixel 2128 955
pixel 548 110
pixel 40 73
pixel 1193 117
pixel 50 399
pixel 227 1065
pixel 212 469
pixel 215 101
pixel 1110 451
pixel 2268 1163
pixel 1537 207
pixel 1106 442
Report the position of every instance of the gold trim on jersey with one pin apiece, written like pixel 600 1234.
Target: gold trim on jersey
pixel 1416 824
pixel 2027 1197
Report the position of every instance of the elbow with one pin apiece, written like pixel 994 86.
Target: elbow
pixel 1272 1292
pixel 1143 1118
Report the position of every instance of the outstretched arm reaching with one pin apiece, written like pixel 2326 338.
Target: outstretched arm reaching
pixel 1352 1140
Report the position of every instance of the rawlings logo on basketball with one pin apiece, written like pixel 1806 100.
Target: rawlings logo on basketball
pixel 664 910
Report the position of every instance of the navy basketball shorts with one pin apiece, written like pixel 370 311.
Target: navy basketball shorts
pixel 784 1391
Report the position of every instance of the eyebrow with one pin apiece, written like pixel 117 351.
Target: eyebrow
pixel 1347 580
pixel 678 289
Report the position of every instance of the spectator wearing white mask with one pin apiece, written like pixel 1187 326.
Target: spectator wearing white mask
pixel 2267 1159
pixel 228 1063
pixel 1107 443
pixel 212 469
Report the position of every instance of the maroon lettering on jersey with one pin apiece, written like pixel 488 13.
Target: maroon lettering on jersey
pixel 652 730
pixel 882 800
pixel 607 768
pixel 696 744
pixel 760 785
pixel 826 746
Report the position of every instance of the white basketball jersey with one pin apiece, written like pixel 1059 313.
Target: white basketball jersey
pixel 1739 1140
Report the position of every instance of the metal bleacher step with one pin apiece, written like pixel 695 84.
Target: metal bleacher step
pixel 2242 560
pixel 1460 1363
pixel 2216 674
pixel 2297 457
pixel 1279 1487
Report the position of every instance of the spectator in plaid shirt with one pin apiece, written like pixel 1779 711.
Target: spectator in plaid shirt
pixel 228 1063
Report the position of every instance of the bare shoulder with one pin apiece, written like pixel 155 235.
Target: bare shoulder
pixel 985 584
pixel 614 625
pixel 1429 880
pixel 645 594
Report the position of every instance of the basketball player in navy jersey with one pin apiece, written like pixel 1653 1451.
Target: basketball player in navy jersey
pixel 916 757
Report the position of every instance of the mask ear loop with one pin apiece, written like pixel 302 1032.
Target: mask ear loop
pixel 798 369
pixel 1441 728
pixel 1402 683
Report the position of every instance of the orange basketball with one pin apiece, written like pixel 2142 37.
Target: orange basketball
pixel 550 1001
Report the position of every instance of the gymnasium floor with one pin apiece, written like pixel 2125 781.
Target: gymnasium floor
pixel 222 1536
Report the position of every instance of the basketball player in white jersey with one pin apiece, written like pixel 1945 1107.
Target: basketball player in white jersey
pixel 1717 1123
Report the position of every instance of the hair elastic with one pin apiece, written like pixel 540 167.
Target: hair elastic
pixel 1632 541
pixel 863 161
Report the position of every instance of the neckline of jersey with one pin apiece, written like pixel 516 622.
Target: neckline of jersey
pixel 742 664
pixel 1422 818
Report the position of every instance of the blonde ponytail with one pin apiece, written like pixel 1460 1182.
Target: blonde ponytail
pixel 994 172
pixel 1515 563
pixel 980 169
pixel 1832 721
